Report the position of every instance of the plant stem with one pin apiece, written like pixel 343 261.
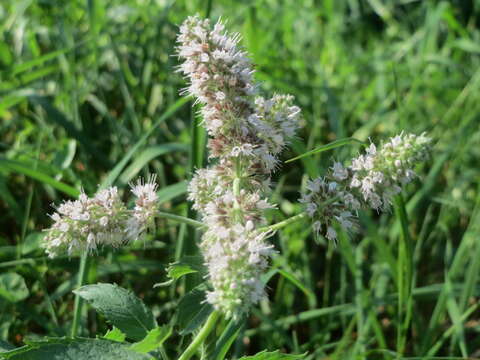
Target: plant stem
pixel 209 8
pixel 201 336
pixel 181 219
pixel 77 311
pixel 405 276
pixel 295 218
pixel 284 223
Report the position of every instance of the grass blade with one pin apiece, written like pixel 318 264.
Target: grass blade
pixel 326 147
pixel 18 167
pixel 404 275
pixel 115 173
pixel 146 156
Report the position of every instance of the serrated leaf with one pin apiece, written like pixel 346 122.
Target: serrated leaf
pixel 85 349
pixel 153 340
pixel 193 310
pixel 115 334
pixel 121 307
pixel 12 287
pixel 275 355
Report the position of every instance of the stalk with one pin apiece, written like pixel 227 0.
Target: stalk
pixel 77 311
pixel 201 336
pixel 294 218
pixel 284 223
pixel 405 276
pixel 180 219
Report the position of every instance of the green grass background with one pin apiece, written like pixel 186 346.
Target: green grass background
pixel 89 96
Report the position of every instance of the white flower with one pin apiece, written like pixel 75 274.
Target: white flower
pixel 311 208
pixel 89 223
pixel 367 187
pixel 339 172
pixel 355 182
pixel 331 234
pixel 371 150
pixel 315 185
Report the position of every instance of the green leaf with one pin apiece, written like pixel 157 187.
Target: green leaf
pixel 153 340
pixel 32 242
pixel 6 56
pixel 12 287
pixel 275 355
pixel 5 346
pixel 177 270
pixel 121 307
pixel 115 172
pixel 55 115
pixel 229 334
pixel 171 191
pixel 9 101
pixel 80 348
pixel 146 156
pixel 329 146
pixel 193 310
pixel 290 277
pixel 10 200
pixel 18 167
pixel 37 61
pixel 115 334
pixel 187 265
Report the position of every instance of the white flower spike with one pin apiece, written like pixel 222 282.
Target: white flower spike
pixel 247 134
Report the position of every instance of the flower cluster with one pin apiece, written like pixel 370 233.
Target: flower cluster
pixel 146 205
pixel 326 203
pixel 236 256
pixel 103 220
pixel 371 181
pixel 220 75
pixel 247 133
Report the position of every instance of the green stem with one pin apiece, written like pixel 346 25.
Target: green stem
pixel 201 336
pixel 405 276
pixel 284 223
pixel 181 219
pixel 295 218
pixel 77 311
pixel 236 186
pixel 209 8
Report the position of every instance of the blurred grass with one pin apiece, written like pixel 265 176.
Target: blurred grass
pixel 89 96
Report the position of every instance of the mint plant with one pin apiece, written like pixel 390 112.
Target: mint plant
pixel 247 133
